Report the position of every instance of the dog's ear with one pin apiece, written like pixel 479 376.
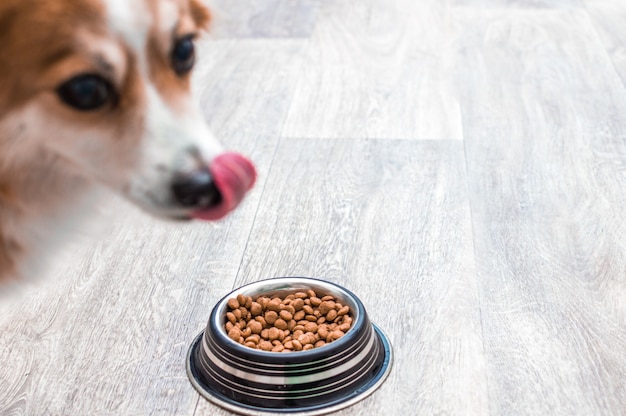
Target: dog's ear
pixel 200 13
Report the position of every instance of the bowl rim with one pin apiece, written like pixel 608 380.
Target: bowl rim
pixel 218 313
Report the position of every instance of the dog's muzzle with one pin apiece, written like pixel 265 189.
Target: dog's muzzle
pixel 196 190
pixel 211 193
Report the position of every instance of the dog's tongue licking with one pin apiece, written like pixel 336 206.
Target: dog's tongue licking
pixel 233 175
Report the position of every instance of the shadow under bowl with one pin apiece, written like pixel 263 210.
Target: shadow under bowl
pixel 318 381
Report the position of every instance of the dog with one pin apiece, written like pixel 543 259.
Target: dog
pixel 96 94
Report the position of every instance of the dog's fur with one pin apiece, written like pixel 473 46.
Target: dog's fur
pixel 51 155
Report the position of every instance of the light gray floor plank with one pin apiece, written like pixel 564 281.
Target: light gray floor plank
pixel 518 4
pixel 263 18
pixel 545 121
pixel 378 70
pixel 608 17
pixel 501 285
pixel 245 86
pixel 111 342
pixel 112 338
pixel 388 219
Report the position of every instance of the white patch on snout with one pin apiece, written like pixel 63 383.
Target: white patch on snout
pixel 171 133
pixel 131 20
pixel 171 145
pixel 168 16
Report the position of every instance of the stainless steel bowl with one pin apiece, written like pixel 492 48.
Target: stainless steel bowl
pixel 313 382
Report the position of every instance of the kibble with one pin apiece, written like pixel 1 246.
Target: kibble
pixel 280 324
pixel 310 327
pixel 273 333
pixel 331 315
pixel 271 317
pixel 255 327
pixel 256 308
pixel 233 303
pixel 300 321
pixel 285 315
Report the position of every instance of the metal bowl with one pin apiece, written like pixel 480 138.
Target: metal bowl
pixel 313 382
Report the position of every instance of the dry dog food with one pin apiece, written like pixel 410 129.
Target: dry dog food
pixel 299 322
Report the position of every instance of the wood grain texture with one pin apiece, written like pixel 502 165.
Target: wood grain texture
pixel 111 339
pixel 378 70
pixel 544 123
pixel 608 17
pixel 492 252
pixel 263 18
pixel 389 219
pixel 245 87
pixel 517 4
pixel 114 340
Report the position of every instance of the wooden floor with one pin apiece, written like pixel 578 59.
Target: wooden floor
pixel 459 164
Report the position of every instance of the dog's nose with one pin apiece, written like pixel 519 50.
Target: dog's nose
pixel 196 189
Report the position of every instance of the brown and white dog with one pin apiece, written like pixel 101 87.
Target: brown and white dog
pixel 96 92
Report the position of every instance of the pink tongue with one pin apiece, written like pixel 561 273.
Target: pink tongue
pixel 234 175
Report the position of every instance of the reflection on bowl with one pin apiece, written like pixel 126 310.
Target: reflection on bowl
pixel 316 381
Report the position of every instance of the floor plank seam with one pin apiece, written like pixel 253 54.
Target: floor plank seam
pixel 381 139
pixel 476 279
pixel 254 218
pixel 195 408
pixel 269 170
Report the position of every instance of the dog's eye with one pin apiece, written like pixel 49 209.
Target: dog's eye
pixel 183 55
pixel 86 92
